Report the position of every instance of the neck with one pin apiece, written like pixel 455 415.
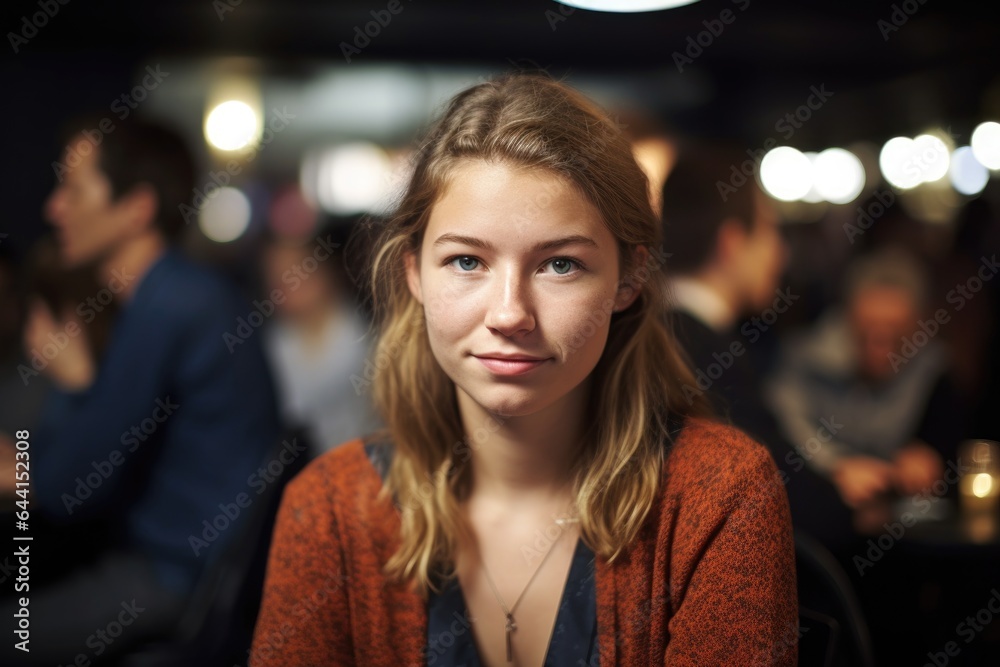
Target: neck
pixel 127 264
pixel 524 461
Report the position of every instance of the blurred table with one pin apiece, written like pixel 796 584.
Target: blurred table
pixel 949 563
pixel 952 528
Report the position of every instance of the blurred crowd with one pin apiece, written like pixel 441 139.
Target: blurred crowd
pixel 863 371
pixel 167 403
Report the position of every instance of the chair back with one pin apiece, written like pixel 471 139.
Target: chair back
pixel 833 630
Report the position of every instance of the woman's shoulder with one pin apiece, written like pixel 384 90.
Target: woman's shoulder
pixel 717 456
pixel 702 436
pixel 345 469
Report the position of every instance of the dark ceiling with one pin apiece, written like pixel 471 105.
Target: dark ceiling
pixel 939 60
pixel 893 67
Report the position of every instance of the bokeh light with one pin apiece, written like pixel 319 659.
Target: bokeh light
pixel 931 157
pixel 838 176
pixel 786 173
pixel 906 163
pixel 231 125
pixel 986 144
pixel 895 161
pixel 968 175
pixel 225 215
pixel 348 179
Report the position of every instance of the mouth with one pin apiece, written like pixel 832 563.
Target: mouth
pixel 510 365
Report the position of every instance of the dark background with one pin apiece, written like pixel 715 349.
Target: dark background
pixel 939 67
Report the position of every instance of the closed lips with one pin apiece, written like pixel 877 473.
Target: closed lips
pixel 509 358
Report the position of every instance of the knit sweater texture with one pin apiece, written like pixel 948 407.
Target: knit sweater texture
pixel 709 579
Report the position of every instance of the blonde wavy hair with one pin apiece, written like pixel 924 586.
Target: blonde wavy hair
pixel 533 121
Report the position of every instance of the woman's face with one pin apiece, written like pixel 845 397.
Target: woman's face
pixel 516 264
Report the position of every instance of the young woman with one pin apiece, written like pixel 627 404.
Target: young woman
pixel 547 490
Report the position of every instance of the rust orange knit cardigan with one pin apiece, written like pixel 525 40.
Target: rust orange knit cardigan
pixel 710 580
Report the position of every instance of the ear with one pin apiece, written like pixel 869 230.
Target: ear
pixel 140 205
pixel 628 289
pixel 412 264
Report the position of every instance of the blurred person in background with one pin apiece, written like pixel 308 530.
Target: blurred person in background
pixel 872 371
pixel 160 432
pixel 727 259
pixel 880 381
pixel 317 341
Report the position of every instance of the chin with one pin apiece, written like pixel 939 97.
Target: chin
pixel 510 401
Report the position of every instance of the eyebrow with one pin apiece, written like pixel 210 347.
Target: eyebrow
pixel 573 239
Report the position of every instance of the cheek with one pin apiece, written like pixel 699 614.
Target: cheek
pixel 92 221
pixel 448 325
pixel 581 323
pixel 85 202
pixel 450 309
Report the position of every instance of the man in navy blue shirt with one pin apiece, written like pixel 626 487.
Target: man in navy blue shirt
pixel 167 436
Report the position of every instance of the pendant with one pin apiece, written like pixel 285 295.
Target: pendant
pixel 510 625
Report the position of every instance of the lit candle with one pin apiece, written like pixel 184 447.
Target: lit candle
pixel 979 488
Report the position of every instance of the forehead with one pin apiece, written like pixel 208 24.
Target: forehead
pixel 508 203
pixel 882 302
pixel 82 159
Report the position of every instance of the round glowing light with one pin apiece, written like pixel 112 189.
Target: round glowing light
pixel 812 196
pixel 225 215
pixel 986 144
pixel 895 161
pixel 968 175
pixel 626 5
pixel 231 126
pixel 786 173
pixel 352 178
pixel 838 176
pixel 931 157
pixel 982 484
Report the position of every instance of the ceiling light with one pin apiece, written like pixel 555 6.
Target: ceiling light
pixel 626 5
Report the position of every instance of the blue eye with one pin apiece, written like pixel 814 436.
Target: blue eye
pixel 466 263
pixel 562 265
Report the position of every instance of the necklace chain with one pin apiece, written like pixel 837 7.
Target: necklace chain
pixel 509 624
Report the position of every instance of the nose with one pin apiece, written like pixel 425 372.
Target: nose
pixel 510 310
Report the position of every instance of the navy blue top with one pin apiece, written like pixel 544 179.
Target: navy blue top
pixel 574 638
pixel 450 642
pixel 178 421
